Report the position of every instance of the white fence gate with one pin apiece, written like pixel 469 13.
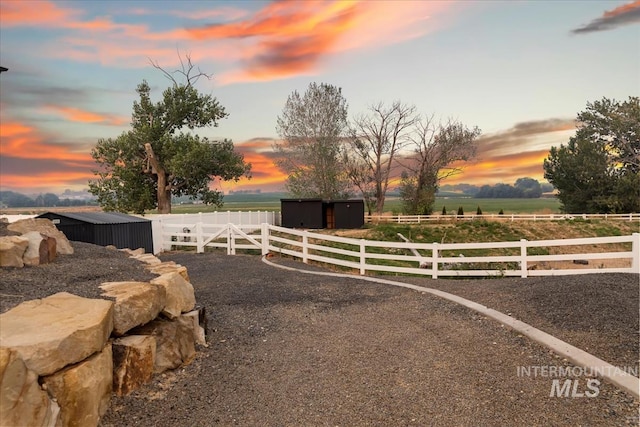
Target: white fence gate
pixel 518 258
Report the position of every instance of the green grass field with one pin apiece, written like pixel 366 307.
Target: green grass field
pixel 271 202
pixel 488 206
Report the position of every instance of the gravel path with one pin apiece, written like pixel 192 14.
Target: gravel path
pixel 301 350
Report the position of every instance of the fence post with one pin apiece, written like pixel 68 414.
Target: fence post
pixel 635 250
pixel 305 249
pixel 434 264
pixel 363 257
pixel 230 250
pixel 523 258
pixel 199 238
pixel 265 238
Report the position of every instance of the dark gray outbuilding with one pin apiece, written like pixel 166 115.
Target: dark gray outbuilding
pixel 318 213
pixel 104 228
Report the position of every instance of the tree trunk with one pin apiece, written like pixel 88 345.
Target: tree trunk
pixel 164 195
pixel 164 190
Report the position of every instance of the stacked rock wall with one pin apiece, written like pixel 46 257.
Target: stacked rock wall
pixel 62 357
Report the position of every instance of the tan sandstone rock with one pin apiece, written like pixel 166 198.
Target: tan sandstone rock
pixel 22 401
pixel 136 303
pixel 83 390
pixel 36 252
pixel 180 294
pixel 193 318
pixel 168 267
pixel 133 252
pixel 133 361
pixel 52 248
pixel 175 345
pixel 147 259
pixel 56 331
pixel 46 227
pixel 12 249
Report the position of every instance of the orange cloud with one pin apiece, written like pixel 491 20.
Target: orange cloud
pixel 623 15
pixel 77 115
pixel 625 8
pixel 290 38
pixel 259 152
pixel 22 141
pixel 46 181
pixel 31 13
pixel 505 169
pixel 524 136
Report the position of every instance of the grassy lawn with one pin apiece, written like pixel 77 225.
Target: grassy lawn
pixel 488 206
pixel 393 206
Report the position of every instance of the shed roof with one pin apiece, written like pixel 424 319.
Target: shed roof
pixel 98 217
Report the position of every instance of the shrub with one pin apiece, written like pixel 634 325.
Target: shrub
pixel 501 212
pixel 460 211
pixel 444 210
pixel 478 211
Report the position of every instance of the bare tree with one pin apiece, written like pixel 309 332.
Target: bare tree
pixel 312 127
pixel 376 138
pixel 435 148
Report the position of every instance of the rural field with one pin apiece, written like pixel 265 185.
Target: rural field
pixel 271 202
pixel 393 205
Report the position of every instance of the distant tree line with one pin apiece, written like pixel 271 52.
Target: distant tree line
pixel 11 199
pixel 524 188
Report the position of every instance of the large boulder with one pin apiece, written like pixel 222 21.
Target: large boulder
pixel 168 267
pixel 180 294
pixel 175 344
pixel 12 249
pixel 37 251
pixel 22 401
pixel 83 390
pixel 56 331
pixel 150 259
pixel 133 361
pixel 196 320
pixel 46 227
pixel 136 303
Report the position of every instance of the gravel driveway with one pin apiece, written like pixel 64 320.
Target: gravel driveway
pixel 288 349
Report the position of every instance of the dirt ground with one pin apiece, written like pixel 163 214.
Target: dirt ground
pixel 290 349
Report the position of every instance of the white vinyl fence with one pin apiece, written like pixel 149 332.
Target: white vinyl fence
pixel 418 219
pixel 618 254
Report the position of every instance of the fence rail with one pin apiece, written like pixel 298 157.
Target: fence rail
pixel 418 219
pixel 517 258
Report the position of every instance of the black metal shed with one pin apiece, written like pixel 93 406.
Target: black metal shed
pixel 302 213
pixel 347 213
pixel 318 213
pixel 104 228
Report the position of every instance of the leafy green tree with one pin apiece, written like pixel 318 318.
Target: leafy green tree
pixel 312 127
pixel 598 170
pixel 160 157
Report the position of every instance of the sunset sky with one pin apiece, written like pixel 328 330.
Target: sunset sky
pixel 520 71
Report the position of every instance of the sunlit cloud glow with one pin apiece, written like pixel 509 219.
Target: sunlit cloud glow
pixel 82 116
pixel 626 14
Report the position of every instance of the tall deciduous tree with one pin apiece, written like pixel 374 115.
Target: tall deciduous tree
pixel 598 170
pixel 159 157
pixel 312 127
pixel 376 138
pixel 435 148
